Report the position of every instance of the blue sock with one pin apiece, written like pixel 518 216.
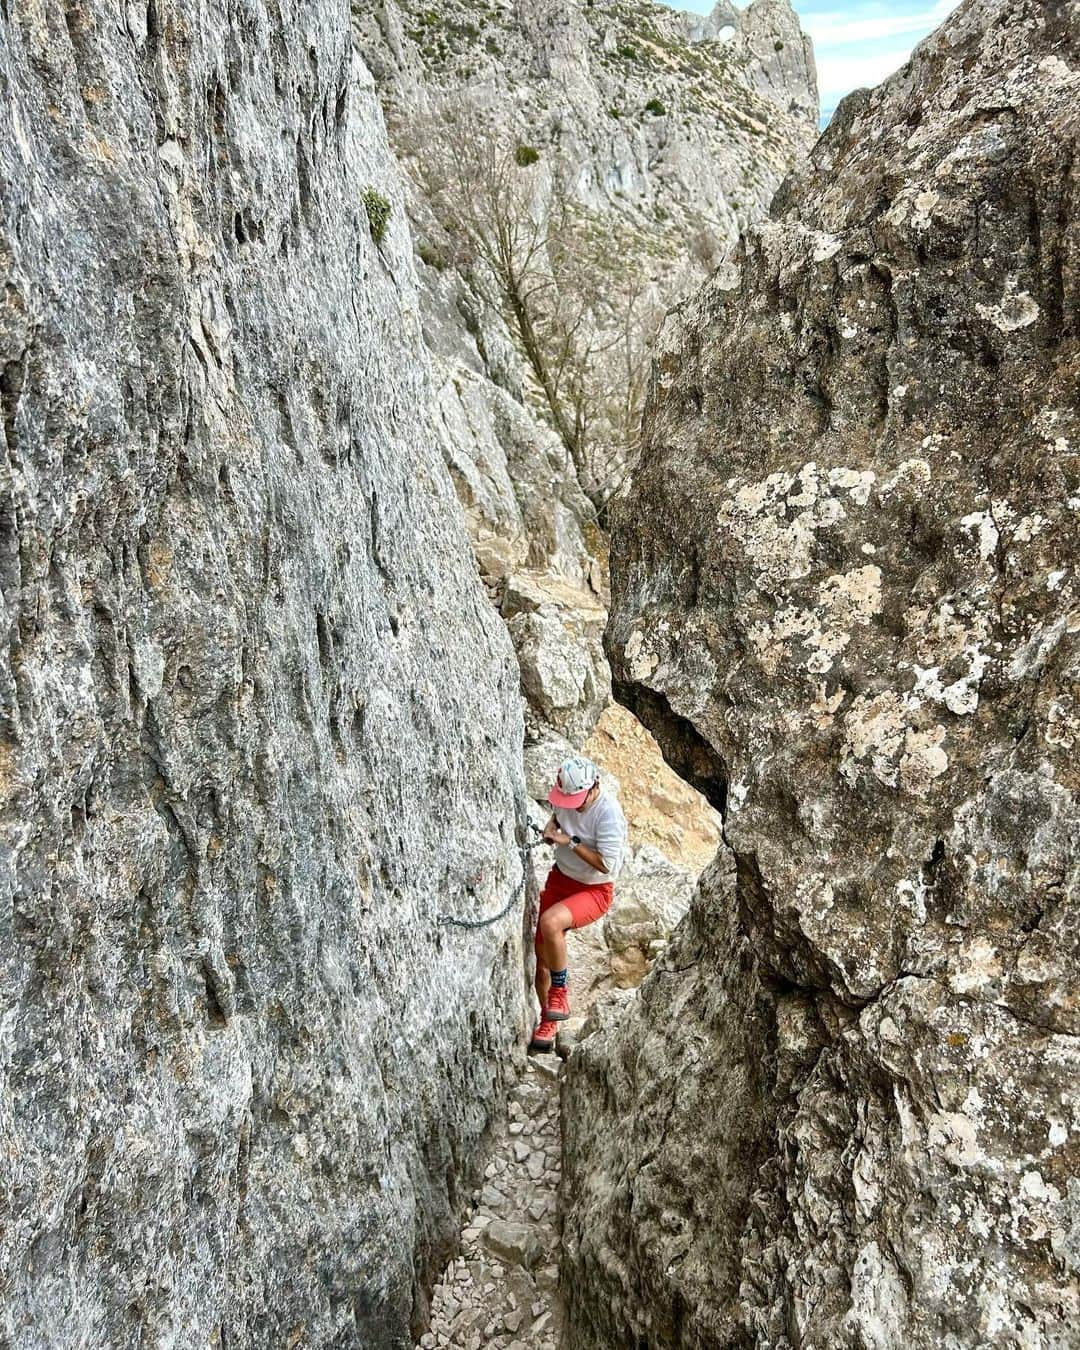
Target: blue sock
pixel 558 979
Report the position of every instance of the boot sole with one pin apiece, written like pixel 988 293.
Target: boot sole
pixel 556 1016
pixel 541 1047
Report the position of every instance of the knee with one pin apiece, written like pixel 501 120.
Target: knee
pixel 550 926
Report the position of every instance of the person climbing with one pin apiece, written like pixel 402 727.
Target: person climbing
pixel 588 829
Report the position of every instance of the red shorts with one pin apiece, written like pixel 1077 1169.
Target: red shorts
pixel 586 903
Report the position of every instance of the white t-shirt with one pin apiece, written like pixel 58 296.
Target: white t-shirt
pixel 602 827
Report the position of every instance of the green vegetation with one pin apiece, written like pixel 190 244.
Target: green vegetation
pixel 378 212
pixel 628 53
pixel 778 46
pixel 439 34
pixel 432 256
pixel 655 107
pixel 614 112
pixel 524 155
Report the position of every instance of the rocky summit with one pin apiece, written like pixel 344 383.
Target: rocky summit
pixel 845 1109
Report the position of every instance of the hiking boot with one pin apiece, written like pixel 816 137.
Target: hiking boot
pixel 544 1036
pixel 557 1008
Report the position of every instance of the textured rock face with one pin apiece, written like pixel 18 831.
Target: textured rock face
pixel 259 721
pixel 666 1113
pixel 777 58
pixel 666 142
pixel 844 600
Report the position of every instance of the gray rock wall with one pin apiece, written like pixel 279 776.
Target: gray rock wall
pixel 845 1111
pixel 778 56
pixel 579 85
pixel 259 722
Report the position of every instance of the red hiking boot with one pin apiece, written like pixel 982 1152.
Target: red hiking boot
pixel 544 1036
pixel 558 1004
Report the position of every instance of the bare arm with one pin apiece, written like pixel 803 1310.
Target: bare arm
pixel 591 856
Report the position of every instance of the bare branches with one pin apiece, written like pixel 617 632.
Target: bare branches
pixel 573 293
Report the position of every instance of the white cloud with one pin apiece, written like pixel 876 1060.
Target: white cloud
pixel 834 29
pixel 841 69
pixel 838 75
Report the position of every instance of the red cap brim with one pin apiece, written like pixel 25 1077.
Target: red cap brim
pixel 574 799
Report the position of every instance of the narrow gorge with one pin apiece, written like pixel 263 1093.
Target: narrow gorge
pixel 396 399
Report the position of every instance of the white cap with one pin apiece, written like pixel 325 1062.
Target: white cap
pixel 572 783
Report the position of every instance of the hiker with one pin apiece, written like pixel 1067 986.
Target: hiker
pixel 588 830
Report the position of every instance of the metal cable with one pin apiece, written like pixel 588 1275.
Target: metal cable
pixel 451 921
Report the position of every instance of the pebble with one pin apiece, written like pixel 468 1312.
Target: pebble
pixel 489 1302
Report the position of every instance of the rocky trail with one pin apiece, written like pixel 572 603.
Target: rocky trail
pixel 502 1290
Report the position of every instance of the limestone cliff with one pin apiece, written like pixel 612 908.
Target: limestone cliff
pixel 655 143
pixel 259 722
pixel 668 123
pixel 845 1109
pixel 774 55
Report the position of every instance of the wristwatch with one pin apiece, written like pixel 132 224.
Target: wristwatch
pixel 575 839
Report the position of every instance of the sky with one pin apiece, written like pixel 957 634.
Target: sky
pixel 858 43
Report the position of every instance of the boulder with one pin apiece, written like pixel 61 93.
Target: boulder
pixel 651 896
pixel 556 629
pixel 516 1244
pixel 843 1110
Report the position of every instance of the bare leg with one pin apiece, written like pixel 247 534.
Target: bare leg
pixel 543 981
pixel 553 925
